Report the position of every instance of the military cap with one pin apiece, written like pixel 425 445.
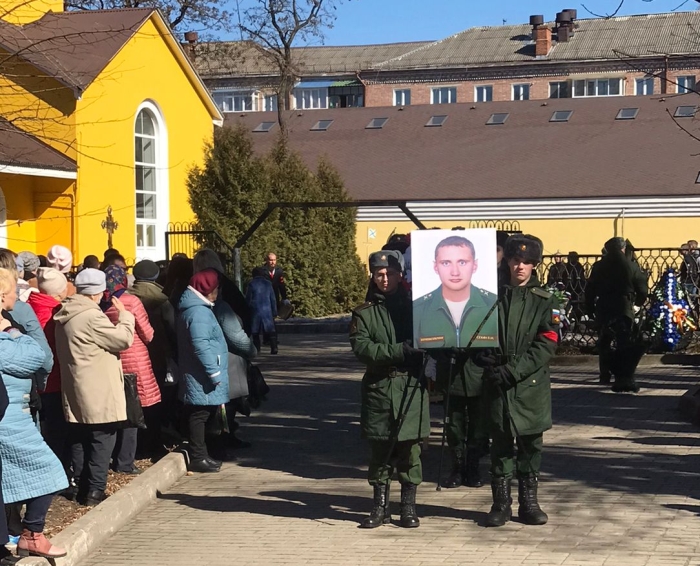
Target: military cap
pixel 524 246
pixel 615 244
pixel 386 258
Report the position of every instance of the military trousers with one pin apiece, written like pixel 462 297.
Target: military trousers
pixel 464 414
pixel 529 455
pixel 618 330
pixel 405 460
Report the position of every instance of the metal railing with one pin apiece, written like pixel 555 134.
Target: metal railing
pixel 185 238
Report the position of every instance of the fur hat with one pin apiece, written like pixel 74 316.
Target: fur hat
pixel 90 282
pixel 524 246
pixel 51 281
pixel 386 259
pixel 207 259
pixel 60 258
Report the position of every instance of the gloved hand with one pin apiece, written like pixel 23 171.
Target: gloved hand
pixel 411 355
pixel 431 369
pixel 485 358
pixel 500 376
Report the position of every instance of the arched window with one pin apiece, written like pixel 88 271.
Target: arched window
pixel 150 151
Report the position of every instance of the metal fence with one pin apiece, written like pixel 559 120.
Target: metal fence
pixel 580 335
pixel 185 238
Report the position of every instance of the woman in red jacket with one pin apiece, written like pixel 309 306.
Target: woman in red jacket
pixel 53 288
pixel 135 360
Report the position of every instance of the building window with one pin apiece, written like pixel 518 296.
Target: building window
pixel 150 164
pixel 346 97
pixel 559 89
pixel 521 92
pixel 644 87
pixel 685 84
pixel 235 101
pixel 483 93
pixel 310 98
pixel 598 87
pixel 402 97
pixel 443 95
pixel 270 103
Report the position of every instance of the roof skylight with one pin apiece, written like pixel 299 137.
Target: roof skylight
pixel 561 116
pixel 436 121
pixel 685 112
pixel 376 123
pixel 627 114
pixel 265 126
pixel 497 118
pixel 322 125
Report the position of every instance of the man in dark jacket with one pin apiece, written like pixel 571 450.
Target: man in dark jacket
pixel 517 389
pixel 381 338
pixel 276 274
pixel 615 286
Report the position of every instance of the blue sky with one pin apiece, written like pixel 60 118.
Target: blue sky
pixel 386 21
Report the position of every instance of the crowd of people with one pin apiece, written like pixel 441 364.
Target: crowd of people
pixel 74 338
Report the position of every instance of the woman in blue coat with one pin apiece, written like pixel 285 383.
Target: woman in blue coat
pixel 31 472
pixel 203 361
pixel 263 303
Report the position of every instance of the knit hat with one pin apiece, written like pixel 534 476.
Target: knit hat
pixel 146 270
pixel 51 281
pixel 115 280
pixel 524 246
pixel 207 259
pixel 30 261
pixel 205 281
pixel 90 282
pixel 60 258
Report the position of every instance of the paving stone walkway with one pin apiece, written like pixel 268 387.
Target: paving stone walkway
pixel 620 483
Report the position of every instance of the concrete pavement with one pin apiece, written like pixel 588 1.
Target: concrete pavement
pixel 620 483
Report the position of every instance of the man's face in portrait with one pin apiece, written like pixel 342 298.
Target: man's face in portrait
pixel 455 266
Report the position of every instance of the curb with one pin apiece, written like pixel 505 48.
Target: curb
pixel 85 535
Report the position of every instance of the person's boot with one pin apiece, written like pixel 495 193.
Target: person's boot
pixel 380 514
pixel 501 510
pixel 36 544
pixel 204 466
pixel 604 378
pixel 455 478
pixel 472 477
pixel 273 345
pixel 529 510
pixel 409 517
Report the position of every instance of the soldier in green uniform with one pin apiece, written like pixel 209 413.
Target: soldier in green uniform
pixel 381 338
pixel 447 317
pixel 517 383
pixel 615 286
pixel 464 411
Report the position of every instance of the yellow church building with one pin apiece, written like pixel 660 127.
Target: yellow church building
pixel 98 109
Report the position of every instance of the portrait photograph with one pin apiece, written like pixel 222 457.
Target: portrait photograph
pixel 455 285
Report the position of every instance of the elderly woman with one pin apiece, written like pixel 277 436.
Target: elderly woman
pixel 134 359
pixel 203 359
pixel 92 383
pixel 32 473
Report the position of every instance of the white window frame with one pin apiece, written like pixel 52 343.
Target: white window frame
pixel 160 222
pixel 683 88
pixel 401 93
pixel 478 98
pixel 317 98
pixel 236 100
pixel 597 87
pixel 436 95
pixel 519 87
pixel 645 82
pixel 269 103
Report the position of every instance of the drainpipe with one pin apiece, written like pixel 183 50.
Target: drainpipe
pixel 621 219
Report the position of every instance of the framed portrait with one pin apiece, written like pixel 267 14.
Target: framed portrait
pixel 455 286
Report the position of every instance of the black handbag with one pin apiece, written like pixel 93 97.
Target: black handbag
pixel 257 388
pixel 134 411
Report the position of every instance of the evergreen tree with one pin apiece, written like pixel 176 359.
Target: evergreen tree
pixel 315 246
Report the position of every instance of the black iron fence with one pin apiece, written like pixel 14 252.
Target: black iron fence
pixel 185 238
pixel 571 276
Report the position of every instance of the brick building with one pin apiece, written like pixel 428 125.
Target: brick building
pixel 566 58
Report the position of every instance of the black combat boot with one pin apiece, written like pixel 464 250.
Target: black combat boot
pixel 529 510
pixel 455 479
pixel 472 477
pixel 501 510
pixel 409 517
pixel 380 514
pixel 273 344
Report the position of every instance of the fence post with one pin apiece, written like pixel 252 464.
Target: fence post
pixel 237 268
pixel 167 246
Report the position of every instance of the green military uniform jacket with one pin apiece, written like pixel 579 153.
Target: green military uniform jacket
pixel 468 378
pixel 433 326
pixel 387 384
pixel 616 284
pixel 528 328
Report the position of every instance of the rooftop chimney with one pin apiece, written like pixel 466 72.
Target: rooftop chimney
pixel 191 37
pixel 565 26
pixel 543 41
pixel 536 22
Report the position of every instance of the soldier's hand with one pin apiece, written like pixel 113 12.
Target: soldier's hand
pixel 500 376
pixel 485 358
pixel 412 355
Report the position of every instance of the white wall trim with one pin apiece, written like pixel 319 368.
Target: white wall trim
pixel 37 172
pixel 632 207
